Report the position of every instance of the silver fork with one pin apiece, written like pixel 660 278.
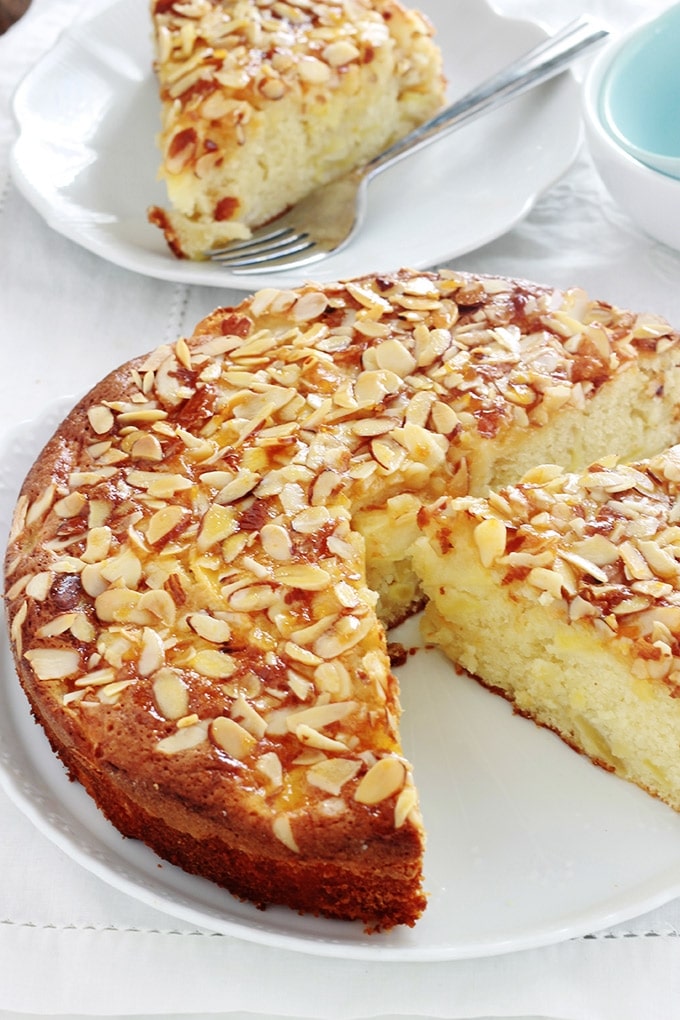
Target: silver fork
pixel 325 220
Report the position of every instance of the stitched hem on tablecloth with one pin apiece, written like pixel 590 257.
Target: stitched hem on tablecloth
pixel 671 933
pixel 133 930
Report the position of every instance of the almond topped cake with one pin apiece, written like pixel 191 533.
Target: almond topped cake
pixel 580 573
pixel 205 557
pixel 265 100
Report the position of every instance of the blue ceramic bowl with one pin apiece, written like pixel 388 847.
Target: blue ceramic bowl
pixel 640 98
pixel 617 104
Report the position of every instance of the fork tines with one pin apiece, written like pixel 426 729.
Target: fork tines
pixel 268 247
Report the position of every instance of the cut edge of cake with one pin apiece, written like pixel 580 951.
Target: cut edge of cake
pixel 580 574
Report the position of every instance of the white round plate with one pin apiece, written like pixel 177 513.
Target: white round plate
pixel 86 157
pixel 528 843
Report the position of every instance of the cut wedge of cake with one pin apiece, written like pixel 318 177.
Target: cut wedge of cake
pixel 265 100
pixel 563 593
pixel 205 557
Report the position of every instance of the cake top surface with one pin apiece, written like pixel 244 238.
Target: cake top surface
pixel 258 50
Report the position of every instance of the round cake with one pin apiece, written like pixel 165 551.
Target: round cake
pixel 263 102
pixel 206 557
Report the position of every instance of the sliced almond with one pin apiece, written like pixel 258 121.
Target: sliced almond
pixel 384 779
pixel 232 738
pixel 331 774
pixel 53 663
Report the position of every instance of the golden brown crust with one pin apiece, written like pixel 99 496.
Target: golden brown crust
pixel 318 885
pixel 186 585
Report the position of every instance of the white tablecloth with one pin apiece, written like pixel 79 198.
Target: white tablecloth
pixel 72 945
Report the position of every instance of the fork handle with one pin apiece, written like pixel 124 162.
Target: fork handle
pixel 541 63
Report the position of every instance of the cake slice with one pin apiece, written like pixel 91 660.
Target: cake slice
pixel 563 593
pixel 265 100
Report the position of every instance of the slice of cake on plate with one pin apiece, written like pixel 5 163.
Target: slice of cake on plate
pixel 265 100
pixel 563 593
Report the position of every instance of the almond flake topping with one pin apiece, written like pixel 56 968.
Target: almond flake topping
pixel 200 545
pixel 53 663
pixel 382 780
pixel 604 543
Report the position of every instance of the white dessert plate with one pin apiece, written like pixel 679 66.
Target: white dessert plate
pixel 528 843
pixel 86 157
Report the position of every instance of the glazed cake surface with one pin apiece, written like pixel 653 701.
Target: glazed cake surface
pixel 263 101
pixel 205 558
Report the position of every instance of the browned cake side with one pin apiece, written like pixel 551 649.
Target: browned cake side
pixel 186 579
